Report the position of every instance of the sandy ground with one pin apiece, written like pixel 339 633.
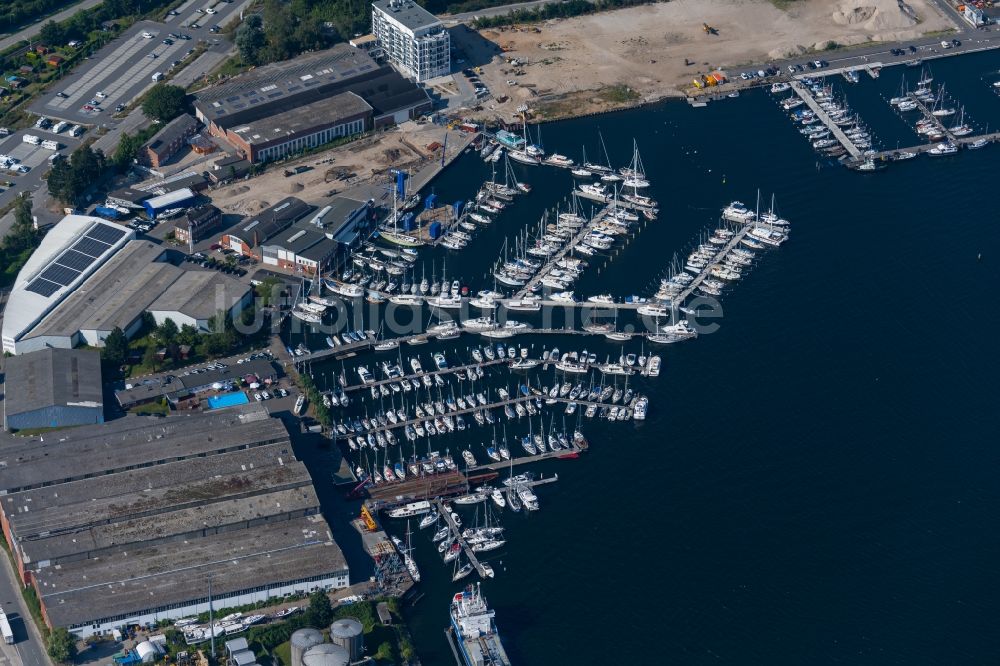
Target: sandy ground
pixel 366 161
pixel 656 50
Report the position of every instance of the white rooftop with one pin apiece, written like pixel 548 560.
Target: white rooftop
pixel 26 307
pixel 407 13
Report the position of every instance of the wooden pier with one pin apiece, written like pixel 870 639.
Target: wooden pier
pixel 515 461
pixel 929 116
pixel 530 285
pixel 720 255
pixel 992 137
pixel 825 118
pixel 443 371
pixel 456 535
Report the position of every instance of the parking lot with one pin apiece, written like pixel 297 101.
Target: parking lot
pixel 33 157
pixel 120 72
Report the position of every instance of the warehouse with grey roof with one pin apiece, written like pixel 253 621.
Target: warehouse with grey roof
pixel 53 388
pixel 111 538
pixel 287 107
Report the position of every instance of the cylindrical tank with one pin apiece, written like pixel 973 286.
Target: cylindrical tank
pixel 302 640
pixel 349 634
pixel 326 654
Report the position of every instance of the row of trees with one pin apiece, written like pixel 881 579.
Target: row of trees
pixel 15 13
pixel 221 338
pixel 19 243
pixel 286 28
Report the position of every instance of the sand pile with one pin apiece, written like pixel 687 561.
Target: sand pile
pixel 875 15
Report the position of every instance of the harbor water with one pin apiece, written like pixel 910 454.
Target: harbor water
pixel 816 480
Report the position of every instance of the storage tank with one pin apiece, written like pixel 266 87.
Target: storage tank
pixel 349 634
pixel 302 640
pixel 326 654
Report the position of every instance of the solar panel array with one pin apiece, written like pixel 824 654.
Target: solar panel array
pixel 70 264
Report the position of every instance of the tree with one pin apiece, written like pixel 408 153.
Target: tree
pixel 61 646
pixel 167 332
pixel 250 39
pixel 384 652
pixel 280 31
pixel 149 359
pixel 70 178
pixel 22 213
pixel 53 34
pixel 115 349
pixel 164 102
pixel 188 335
pixel 128 148
pixel 269 291
pixel 320 612
pixel 148 322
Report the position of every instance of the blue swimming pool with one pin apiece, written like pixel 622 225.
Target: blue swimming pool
pixel 228 400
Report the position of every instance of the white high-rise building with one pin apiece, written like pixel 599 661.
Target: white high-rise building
pixel 413 39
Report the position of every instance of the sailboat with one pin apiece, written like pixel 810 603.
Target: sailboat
pixel 525 155
pixel 461 572
pixel 411 565
pixel 634 174
pixel 395 236
pixel 580 171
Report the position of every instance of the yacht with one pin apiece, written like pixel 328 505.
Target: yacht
pixel 555 159
pixel 682 330
pixel 345 289
pixel 941 149
pixel 737 212
pixel 525 304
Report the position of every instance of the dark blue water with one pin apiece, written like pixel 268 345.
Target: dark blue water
pixel 816 482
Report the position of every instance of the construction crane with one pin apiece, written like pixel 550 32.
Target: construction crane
pixel 709 30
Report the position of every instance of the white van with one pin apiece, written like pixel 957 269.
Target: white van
pixel 158 76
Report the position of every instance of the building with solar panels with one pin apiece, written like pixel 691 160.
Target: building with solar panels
pixel 76 288
pixel 69 253
pixel 294 105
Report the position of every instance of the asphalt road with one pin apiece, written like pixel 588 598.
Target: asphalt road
pixel 123 69
pixel 33 29
pixel 494 11
pixel 27 649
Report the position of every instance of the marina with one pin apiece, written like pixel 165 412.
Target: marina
pixel 658 453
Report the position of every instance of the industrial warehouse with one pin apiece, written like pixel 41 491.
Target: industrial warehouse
pixel 90 276
pixel 111 539
pixel 53 388
pixel 290 236
pixel 290 106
